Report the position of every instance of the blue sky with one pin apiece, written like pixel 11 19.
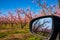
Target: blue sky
pixel 12 5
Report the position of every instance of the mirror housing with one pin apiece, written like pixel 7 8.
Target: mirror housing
pixel 56 22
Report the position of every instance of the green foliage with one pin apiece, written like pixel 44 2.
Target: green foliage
pixel 2 35
pixel 34 38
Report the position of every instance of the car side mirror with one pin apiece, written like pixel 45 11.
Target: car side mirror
pixel 43 26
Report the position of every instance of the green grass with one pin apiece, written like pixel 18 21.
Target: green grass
pixel 25 31
pixel 2 35
pixel 20 31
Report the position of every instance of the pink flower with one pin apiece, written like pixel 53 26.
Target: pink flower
pixel 57 12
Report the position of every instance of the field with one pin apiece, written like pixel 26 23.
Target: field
pixel 8 33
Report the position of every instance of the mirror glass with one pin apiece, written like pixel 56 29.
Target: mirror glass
pixel 42 27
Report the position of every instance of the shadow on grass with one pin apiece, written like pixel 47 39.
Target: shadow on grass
pixel 14 39
pixel 2 35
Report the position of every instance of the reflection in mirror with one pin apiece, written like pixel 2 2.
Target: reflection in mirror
pixel 42 26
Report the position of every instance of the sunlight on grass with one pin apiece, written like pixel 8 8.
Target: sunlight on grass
pixel 24 33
